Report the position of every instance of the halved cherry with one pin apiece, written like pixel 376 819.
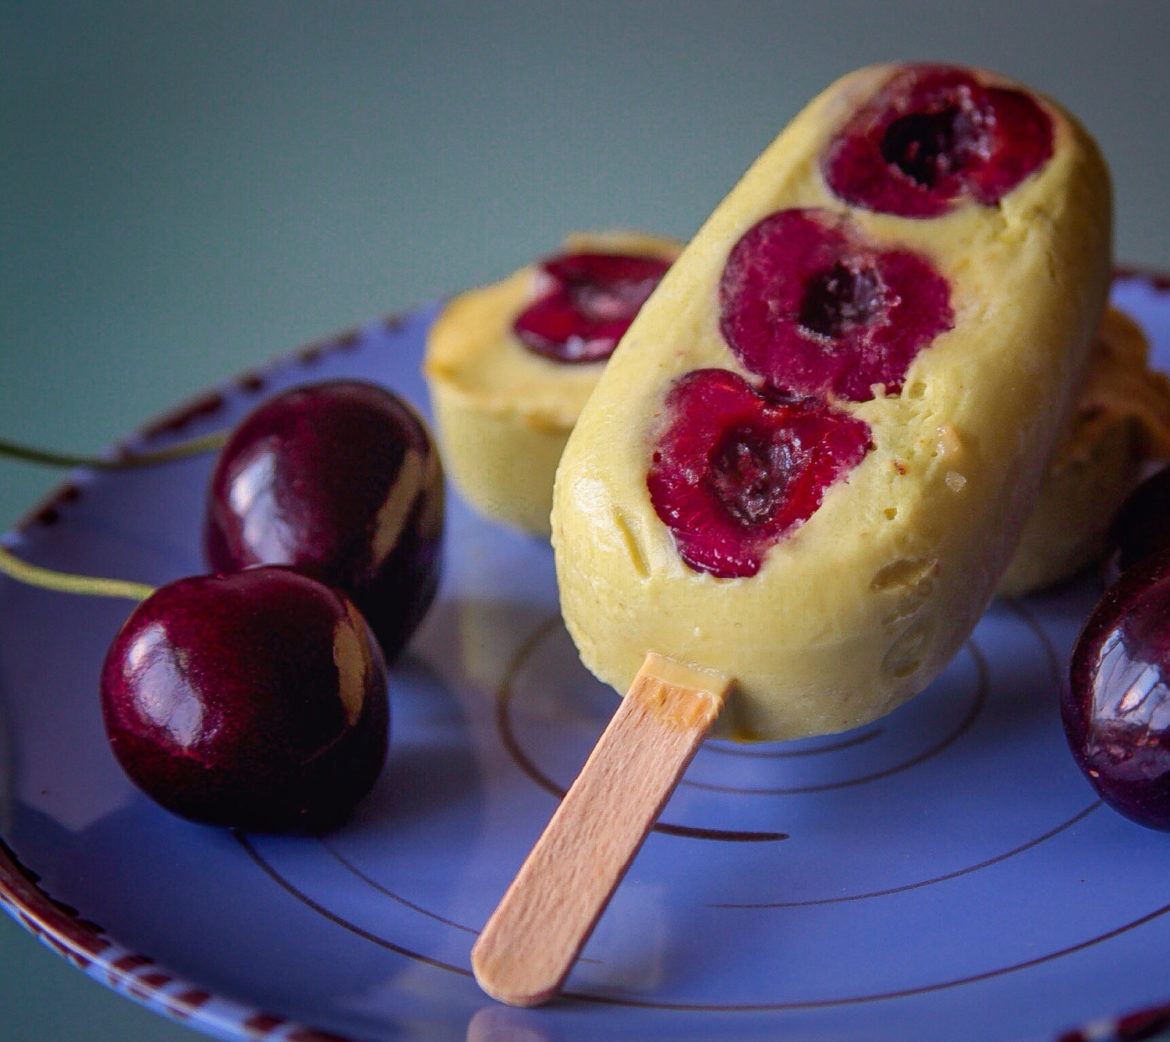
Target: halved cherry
pixel 933 135
pixel 813 307
pixel 592 299
pixel 735 470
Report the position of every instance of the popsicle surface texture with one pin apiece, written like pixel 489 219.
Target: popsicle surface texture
pixel 809 459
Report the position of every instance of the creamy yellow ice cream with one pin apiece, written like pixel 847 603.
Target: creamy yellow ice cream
pixel 863 604
pixel 503 412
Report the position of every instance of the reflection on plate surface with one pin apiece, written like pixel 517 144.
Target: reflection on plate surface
pixel 926 876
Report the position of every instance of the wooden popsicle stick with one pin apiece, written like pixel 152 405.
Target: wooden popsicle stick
pixel 531 941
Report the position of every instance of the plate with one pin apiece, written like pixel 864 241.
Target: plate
pixel 943 872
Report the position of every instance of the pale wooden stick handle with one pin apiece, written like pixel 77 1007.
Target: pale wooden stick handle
pixel 542 922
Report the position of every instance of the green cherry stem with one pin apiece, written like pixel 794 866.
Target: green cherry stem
pixel 65 582
pixel 180 450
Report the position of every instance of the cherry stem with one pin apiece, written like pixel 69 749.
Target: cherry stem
pixel 66 582
pixel 180 450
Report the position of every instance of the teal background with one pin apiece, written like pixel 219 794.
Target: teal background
pixel 190 189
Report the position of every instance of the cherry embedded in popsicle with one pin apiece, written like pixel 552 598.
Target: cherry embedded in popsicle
pixel 808 303
pixel 735 469
pixel 933 136
pixel 592 299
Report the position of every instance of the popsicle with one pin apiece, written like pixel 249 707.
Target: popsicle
pixel 510 365
pixel 505 411
pixel 808 461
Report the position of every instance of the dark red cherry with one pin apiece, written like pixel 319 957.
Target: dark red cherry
pixel 591 300
pixel 254 700
pixel 1142 524
pixel 342 481
pixel 1116 708
pixel 933 135
pixel 735 470
pixel 810 305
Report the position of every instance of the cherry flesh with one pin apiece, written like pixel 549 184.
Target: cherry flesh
pixel 342 481
pixel 735 470
pixel 592 299
pixel 1116 708
pixel 932 136
pixel 254 700
pixel 812 307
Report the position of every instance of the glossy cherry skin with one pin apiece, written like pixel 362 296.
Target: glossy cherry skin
pixel 255 700
pixel 1142 524
pixel 340 480
pixel 1116 707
